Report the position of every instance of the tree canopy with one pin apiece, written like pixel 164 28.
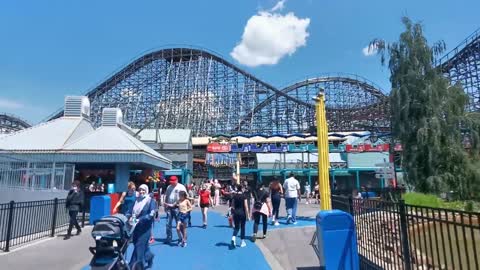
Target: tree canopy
pixel 429 118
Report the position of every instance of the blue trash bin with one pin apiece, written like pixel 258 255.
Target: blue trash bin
pixel 99 207
pixel 337 240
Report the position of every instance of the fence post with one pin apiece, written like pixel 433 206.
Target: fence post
pixel 350 205
pixel 404 235
pixel 54 218
pixel 9 225
pixel 83 210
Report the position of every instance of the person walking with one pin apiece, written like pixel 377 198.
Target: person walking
pixel 276 191
pixel 292 194
pixel 171 199
pixel 141 216
pixel 74 204
pixel 248 194
pixel 261 209
pixel 217 192
pixel 184 208
pixel 127 199
pixel 307 192
pixel 205 202
pixel 240 214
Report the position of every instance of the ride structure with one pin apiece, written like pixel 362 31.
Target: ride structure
pixel 10 123
pixel 198 90
pixel 462 65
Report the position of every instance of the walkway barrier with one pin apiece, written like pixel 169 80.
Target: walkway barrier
pixel 23 222
pixel 99 207
pixel 337 240
pixel 395 235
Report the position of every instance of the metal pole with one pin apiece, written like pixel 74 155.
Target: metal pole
pixel 54 217
pixel 52 178
pixel 323 162
pixel 9 226
pixel 238 167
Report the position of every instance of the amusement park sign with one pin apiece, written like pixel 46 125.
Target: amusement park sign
pixel 218 148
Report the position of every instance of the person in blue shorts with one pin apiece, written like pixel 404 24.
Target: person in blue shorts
pixel 184 209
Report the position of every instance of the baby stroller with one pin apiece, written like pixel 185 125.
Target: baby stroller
pixel 112 236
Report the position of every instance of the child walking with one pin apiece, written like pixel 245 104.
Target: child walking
pixel 185 207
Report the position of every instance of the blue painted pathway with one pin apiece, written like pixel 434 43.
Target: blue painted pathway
pixel 210 248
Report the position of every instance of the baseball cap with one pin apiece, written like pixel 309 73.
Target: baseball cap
pixel 173 179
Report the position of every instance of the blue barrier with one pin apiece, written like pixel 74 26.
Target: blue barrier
pixel 337 240
pixel 99 207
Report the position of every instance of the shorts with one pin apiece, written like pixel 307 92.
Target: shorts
pixel 203 205
pixel 183 217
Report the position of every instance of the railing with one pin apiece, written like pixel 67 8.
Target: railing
pixel 394 235
pixel 23 222
pixel 387 194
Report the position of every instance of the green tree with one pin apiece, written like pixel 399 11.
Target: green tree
pixel 428 115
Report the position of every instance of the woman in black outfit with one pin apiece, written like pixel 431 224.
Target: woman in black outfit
pixel 276 191
pixel 261 209
pixel 240 214
pixel 74 204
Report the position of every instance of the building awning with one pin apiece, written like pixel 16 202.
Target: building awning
pixel 296 157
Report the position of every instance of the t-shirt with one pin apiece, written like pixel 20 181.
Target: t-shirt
pixel 262 196
pixel 204 196
pixel 247 192
pixel 307 188
pixel 172 195
pixel 291 186
pixel 238 203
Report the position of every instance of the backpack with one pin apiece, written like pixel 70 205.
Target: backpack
pixel 260 199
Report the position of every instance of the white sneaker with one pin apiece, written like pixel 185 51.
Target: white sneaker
pixel 289 219
pixel 294 223
pixel 276 223
pixel 232 243
pixel 243 244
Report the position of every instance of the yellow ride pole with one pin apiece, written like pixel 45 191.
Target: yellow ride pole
pixel 322 145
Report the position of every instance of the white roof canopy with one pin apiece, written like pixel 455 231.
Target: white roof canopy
pixel 73 139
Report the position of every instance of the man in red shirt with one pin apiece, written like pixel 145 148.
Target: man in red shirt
pixel 205 202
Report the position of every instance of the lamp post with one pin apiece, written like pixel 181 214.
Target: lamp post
pixel 322 146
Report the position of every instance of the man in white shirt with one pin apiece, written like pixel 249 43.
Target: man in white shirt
pixel 291 188
pixel 171 198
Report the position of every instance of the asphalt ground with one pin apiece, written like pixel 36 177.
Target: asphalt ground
pixel 287 247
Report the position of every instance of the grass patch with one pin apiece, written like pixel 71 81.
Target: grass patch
pixel 430 200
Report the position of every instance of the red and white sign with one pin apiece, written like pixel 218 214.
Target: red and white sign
pixel 367 148
pixel 218 148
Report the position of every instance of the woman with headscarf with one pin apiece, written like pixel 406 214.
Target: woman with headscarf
pixel 141 216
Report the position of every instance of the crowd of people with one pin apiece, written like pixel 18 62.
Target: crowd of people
pixel 244 203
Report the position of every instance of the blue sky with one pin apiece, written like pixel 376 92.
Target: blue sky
pixel 49 49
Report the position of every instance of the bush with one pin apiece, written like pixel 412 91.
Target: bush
pixel 431 200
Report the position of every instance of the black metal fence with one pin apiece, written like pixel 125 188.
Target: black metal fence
pixel 387 194
pixel 23 222
pixel 395 235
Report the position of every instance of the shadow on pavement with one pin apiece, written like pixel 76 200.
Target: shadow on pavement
pixel 222 226
pixel 223 244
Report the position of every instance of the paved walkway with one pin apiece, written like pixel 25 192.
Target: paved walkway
pixel 287 247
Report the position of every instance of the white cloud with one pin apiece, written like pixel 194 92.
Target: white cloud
pixel 370 50
pixel 279 6
pixel 10 104
pixel 268 37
